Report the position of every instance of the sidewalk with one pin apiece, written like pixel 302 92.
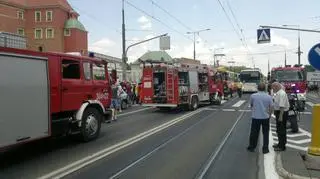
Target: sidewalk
pixel 290 165
pixel 314 94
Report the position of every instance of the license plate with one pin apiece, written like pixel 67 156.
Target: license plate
pixel 291 113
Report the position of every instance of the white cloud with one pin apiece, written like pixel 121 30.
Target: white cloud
pixel 143 20
pixel 145 23
pixel 102 46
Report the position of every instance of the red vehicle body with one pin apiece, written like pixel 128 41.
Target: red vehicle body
pixel 293 79
pixel 77 97
pixel 179 85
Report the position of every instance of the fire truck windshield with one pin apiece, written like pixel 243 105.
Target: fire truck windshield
pixel 292 75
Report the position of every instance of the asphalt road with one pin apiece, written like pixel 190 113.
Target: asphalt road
pixel 147 143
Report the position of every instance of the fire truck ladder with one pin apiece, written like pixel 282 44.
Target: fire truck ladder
pixel 170 87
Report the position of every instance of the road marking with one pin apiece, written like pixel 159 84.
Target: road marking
pixel 310 103
pixel 132 112
pixel 228 110
pixel 210 109
pixel 244 110
pixel 239 103
pixel 72 167
pixel 156 149
pixel 269 167
pixel 295 147
pixel 223 101
pixel 296 135
pixel 303 141
pixel 306 132
pixel 215 154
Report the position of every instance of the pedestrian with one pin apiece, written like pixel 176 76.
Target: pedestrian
pixel 115 101
pixel 281 108
pixel 262 105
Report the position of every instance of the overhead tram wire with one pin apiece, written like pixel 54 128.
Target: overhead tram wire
pixel 172 16
pixel 237 23
pixel 158 20
pixel 230 21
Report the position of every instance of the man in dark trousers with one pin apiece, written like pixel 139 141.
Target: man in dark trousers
pixel 281 108
pixel 261 105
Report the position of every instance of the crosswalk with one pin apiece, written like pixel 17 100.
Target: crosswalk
pixel 298 141
pixel 239 103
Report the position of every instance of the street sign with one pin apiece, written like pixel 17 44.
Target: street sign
pixel 314 56
pixel 263 36
pixel 313 76
pixel 165 43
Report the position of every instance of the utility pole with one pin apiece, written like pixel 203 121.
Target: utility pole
pixel 194 40
pixel 299 49
pixel 124 55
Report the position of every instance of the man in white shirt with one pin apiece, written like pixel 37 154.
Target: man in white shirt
pixel 281 108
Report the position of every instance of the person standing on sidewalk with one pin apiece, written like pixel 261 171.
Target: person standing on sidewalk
pixel 115 105
pixel 281 107
pixel 262 105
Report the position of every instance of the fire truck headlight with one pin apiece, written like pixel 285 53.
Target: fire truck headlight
pixel 298 91
pixel 292 85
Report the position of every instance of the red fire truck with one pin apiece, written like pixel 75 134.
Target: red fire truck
pixel 50 94
pixel 293 78
pixel 179 85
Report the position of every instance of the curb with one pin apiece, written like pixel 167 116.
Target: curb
pixel 283 172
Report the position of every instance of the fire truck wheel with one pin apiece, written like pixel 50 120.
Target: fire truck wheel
pixel 194 103
pixel 91 124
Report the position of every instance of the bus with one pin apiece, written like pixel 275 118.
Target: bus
pixel 250 79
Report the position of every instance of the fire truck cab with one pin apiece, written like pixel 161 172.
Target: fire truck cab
pixel 178 85
pixel 293 78
pixel 51 94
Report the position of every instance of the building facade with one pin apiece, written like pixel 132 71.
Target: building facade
pixel 48 25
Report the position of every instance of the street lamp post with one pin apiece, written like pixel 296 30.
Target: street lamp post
pixel 285 52
pixel 299 43
pixel 194 40
pixel 215 55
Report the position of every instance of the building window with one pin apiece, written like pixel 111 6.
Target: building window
pixel 37 16
pixel 49 33
pixel 70 69
pixel 67 32
pixel 20 15
pixel 20 31
pixel 38 33
pixel 49 16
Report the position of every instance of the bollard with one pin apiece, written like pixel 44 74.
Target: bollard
pixel 314 148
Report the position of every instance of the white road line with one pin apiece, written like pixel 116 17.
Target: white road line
pixel 228 110
pixel 303 141
pixel 132 112
pixel 269 166
pixel 308 113
pixel 215 154
pixel 306 132
pixel 244 110
pixel 296 135
pixel 210 109
pixel 72 167
pixel 223 101
pixel 310 103
pixel 239 103
pixel 296 147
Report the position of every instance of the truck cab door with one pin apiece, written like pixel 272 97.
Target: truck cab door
pixel 71 85
pixel 101 87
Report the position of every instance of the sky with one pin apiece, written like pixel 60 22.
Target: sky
pixel 229 23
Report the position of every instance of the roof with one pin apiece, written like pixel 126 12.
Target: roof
pixel 287 68
pixel 156 56
pixel 73 23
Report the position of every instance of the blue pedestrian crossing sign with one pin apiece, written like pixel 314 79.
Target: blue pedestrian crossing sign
pixel 263 36
pixel 314 56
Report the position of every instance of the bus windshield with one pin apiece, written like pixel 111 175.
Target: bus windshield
pixel 250 76
pixel 292 75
